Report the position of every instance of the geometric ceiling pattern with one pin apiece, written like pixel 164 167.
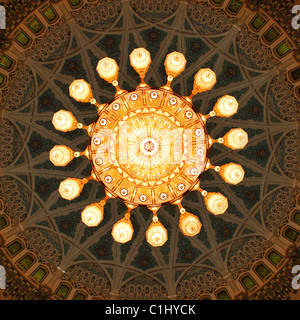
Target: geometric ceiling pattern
pixel 235 255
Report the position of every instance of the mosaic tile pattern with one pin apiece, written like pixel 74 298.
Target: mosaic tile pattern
pixel 43 90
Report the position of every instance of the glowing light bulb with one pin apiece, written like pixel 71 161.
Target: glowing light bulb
pixel 140 60
pixel 156 234
pixel 81 91
pixel 122 231
pixel 108 69
pixel 216 203
pixel 236 139
pixel 175 63
pixel 189 224
pixel 92 215
pixel 226 106
pixel 205 79
pixel 232 173
pixel 64 121
pixel 70 188
pixel 61 155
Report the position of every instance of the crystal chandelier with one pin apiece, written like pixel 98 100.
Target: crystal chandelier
pixel 148 147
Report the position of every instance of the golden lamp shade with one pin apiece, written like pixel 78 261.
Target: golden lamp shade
pixel 216 203
pixel 60 156
pixel 64 121
pixel 81 91
pixel 156 234
pixel 235 139
pixel 108 69
pixel 92 215
pixel 140 60
pixel 175 63
pixel 204 80
pixel 226 106
pixel 122 230
pixel 70 188
pixel 232 173
pixel 189 224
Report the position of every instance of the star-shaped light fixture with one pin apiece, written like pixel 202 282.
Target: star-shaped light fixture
pixel 148 147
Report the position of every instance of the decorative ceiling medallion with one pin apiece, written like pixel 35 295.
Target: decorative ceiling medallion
pixel 148 146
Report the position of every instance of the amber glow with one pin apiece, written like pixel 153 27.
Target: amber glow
pixel 140 60
pixel 216 203
pixel 122 231
pixel 232 173
pixel 148 147
pixel 81 91
pixel 226 106
pixel 92 215
pixel 70 188
pixel 64 121
pixel 236 139
pixel 175 63
pixel 156 234
pixel 108 69
pixel 189 224
pixel 204 80
pixel 60 156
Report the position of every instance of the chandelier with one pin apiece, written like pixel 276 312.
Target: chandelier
pixel 148 147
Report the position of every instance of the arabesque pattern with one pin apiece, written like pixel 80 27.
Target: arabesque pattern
pixel 260 226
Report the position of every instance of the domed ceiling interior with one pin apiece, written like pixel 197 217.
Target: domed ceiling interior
pixel 236 255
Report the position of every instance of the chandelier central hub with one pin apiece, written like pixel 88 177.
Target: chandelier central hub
pixel 153 146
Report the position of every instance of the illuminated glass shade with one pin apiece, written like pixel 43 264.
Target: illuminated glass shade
pixel 175 63
pixel 61 155
pixel 122 231
pixel 70 188
pixel 205 79
pixel 81 91
pixel 140 60
pixel 232 173
pixel 92 215
pixel 64 121
pixel 189 224
pixel 156 234
pixel 236 139
pixel 216 203
pixel 226 106
pixel 108 69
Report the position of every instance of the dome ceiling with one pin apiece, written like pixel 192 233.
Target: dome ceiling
pixel 229 245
